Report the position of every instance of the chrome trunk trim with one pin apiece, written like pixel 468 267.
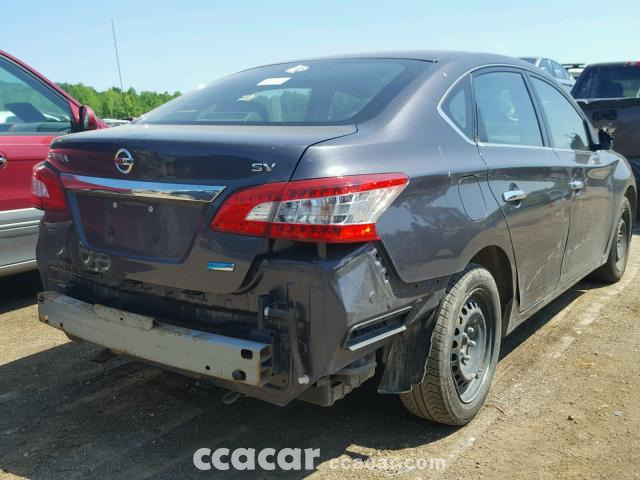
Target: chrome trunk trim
pixel 134 188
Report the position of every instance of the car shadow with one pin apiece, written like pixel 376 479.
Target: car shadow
pixel 19 291
pixel 520 335
pixel 66 415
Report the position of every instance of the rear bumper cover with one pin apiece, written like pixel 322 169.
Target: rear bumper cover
pixel 189 350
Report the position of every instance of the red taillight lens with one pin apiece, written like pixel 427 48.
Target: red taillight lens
pixel 46 191
pixel 234 214
pixel 340 209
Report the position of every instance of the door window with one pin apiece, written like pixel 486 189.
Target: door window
pixel 505 111
pixel 565 123
pixel 29 107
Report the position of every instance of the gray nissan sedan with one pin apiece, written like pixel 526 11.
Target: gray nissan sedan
pixel 287 230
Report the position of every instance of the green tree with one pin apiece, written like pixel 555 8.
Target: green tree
pixel 113 103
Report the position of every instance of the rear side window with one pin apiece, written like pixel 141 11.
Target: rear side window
pixel 505 111
pixel 458 107
pixel 609 81
pixel 566 125
pixel 321 92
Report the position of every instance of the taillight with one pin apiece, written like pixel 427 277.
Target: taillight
pixel 46 191
pixel 339 209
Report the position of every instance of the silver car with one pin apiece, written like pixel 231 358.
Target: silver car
pixel 554 69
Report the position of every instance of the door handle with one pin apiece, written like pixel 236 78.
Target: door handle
pixel 3 162
pixel 514 195
pixel 576 184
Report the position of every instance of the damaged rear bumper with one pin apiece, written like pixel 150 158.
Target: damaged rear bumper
pixel 140 336
pixel 317 324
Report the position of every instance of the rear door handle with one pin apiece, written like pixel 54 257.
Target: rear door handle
pixel 576 184
pixel 514 196
pixel 3 162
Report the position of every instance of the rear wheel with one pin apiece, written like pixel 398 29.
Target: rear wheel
pixel 613 269
pixel 464 351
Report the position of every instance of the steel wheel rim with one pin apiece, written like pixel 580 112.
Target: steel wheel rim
pixel 472 345
pixel 621 244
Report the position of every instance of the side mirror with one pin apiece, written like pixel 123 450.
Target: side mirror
pixel 605 140
pixel 88 119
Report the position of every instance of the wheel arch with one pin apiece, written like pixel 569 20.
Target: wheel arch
pixel 497 262
pixel 404 354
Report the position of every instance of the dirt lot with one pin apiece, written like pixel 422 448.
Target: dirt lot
pixel 565 404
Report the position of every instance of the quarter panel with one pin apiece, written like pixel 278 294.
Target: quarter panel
pixel 428 234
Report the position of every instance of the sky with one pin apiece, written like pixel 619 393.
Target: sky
pixel 179 44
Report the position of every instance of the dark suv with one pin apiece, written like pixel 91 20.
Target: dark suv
pixel 609 94
pixel 287 230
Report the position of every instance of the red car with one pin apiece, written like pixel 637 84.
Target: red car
pixel 33 111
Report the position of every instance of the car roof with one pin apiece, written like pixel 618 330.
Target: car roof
pixel 442 57
pixel 426 55
pixel 631 63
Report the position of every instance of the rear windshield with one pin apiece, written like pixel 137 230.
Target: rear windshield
pixel 322 92
pixel 609 81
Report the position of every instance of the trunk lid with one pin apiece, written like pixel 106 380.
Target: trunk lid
pixel 145 215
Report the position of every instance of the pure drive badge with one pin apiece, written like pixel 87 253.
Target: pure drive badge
pixel 221 266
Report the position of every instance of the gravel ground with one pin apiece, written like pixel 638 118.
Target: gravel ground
pixel 565 403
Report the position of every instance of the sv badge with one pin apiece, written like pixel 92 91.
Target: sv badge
pixel 262 167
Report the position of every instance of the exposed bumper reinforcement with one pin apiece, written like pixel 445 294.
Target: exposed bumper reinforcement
pixel 140 336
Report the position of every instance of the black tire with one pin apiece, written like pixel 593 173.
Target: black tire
pixel 613 269
pixel 442 395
